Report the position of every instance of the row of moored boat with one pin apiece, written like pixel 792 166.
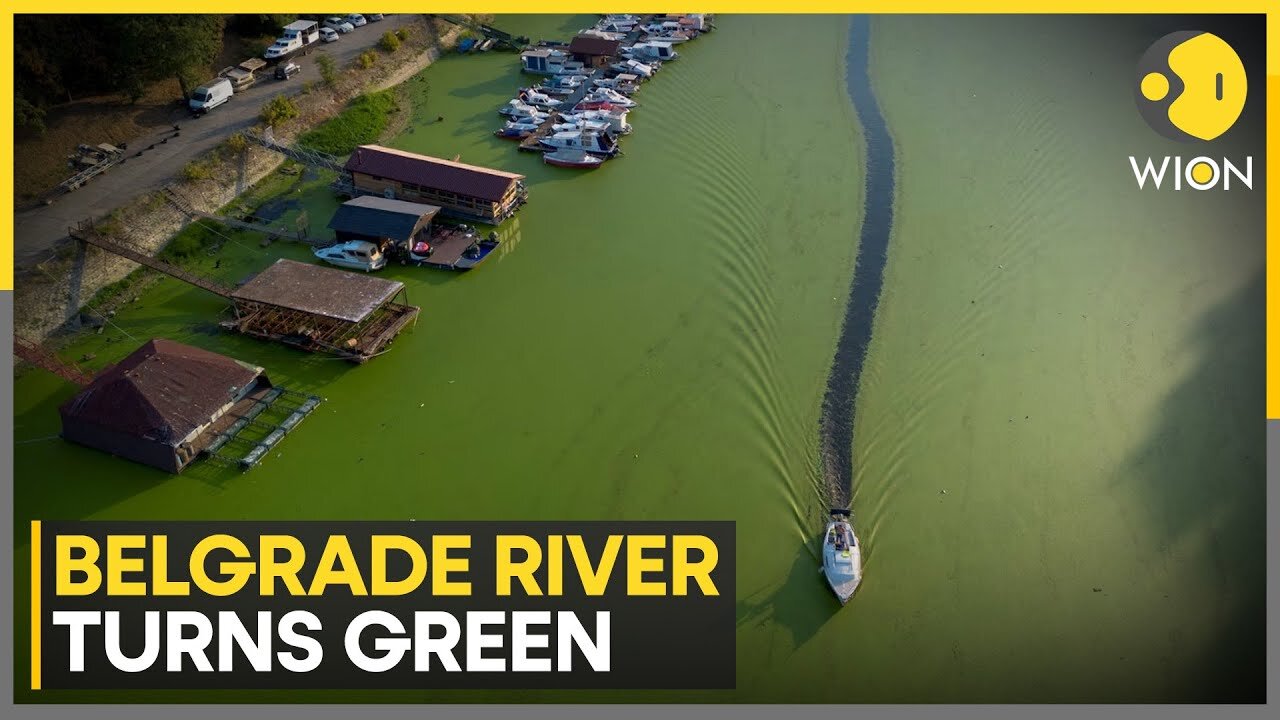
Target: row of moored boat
pixel 577 114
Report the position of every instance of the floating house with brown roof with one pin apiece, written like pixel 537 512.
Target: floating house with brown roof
pixel 168 403
pixel 593 50
pixel 467 192
pixel 320 309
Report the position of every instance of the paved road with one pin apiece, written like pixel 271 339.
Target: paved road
pixel 39 230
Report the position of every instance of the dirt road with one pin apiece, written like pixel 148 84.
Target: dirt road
pixel 38 230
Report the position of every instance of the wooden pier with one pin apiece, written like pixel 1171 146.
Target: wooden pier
pixel 256 415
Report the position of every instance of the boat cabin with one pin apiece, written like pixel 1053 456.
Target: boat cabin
pixel 168 403
pixel 594 51
pixel 381 220
pixel 549 61
pixel 466 192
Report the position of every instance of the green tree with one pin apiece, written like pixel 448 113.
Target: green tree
pixel 328 70
pixel 155 46
pixel 389 42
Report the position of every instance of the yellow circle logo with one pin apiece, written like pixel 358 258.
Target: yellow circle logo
pixel 1191 85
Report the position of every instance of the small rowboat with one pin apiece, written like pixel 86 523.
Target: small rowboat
pixel 572 158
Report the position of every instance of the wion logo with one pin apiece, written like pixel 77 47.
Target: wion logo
pixel 1191 87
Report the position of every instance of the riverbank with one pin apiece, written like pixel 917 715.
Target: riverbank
pixel 51 295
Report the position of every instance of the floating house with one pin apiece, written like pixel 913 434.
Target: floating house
pixel 379 220
pixel 594 51
pixel 550 61
pixel 319 309
pixel 467 192
pixel 168 403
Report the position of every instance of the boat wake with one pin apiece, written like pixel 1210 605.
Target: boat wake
pixel 836 423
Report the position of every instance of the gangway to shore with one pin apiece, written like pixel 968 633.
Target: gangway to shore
pixel 87 233
pixel 41 358
pixel 299 153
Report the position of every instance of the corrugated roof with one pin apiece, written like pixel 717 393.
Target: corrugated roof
pixel 162 391
pixel 315 289
pixel 431 172
pixel 594 45
pixel 380 217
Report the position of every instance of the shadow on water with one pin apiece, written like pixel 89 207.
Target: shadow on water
pixel 838 404
pixel 1203 468
pixel 801 604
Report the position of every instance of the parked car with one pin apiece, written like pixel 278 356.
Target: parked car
pixel 338 24
pixel 283 48
pixel 286 70
pixel 357 20
pixel 373 17
pixel 328 35
pixel 209 96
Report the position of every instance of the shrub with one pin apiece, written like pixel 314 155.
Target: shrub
pixel 197 170
pixel 308 87
pixel 366 60
pixel 389 42
pixel 237 143
pixel 328 70
pixel 403 33
pixel 279 110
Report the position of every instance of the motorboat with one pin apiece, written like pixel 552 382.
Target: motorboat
pixel 596 143
pixel 607 35
pixel 541 101
pixel 650 50
pixel 615 120
pixel 672 37
pixel 517 109
pixel 616 85
pixel 572 158
pixel 841 556
pixel 581 125
pixel 517 130
pixel 476 254
pixel 634 67
pixel 353 255
pixel 613 97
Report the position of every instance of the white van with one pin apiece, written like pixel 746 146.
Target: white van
pixel 209 96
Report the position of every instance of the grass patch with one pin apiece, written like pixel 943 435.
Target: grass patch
pixel 188 244
pixel 361 122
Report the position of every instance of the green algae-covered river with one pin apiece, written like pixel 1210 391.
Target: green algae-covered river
pixel 1058 466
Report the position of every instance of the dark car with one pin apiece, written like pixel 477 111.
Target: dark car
pixel 286 70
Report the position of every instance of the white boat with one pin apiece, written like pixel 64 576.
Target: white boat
pixel 562 84
pixel 841 556
pixel 595 143
pixel 579 159
pixel 353 255
pixel 616 120
pixel 646 51
pixel 542 101
pixel 634 67
pixel 518 110
pixel 607 35
pixel 613 97
pixel 673 37
pixel 581 125
pixel 616 85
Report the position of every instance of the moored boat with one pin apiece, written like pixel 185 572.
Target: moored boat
pixel 596 143
pixel 353 255
pixel 572 158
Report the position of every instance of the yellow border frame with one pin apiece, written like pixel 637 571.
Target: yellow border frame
pixel 1269 8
